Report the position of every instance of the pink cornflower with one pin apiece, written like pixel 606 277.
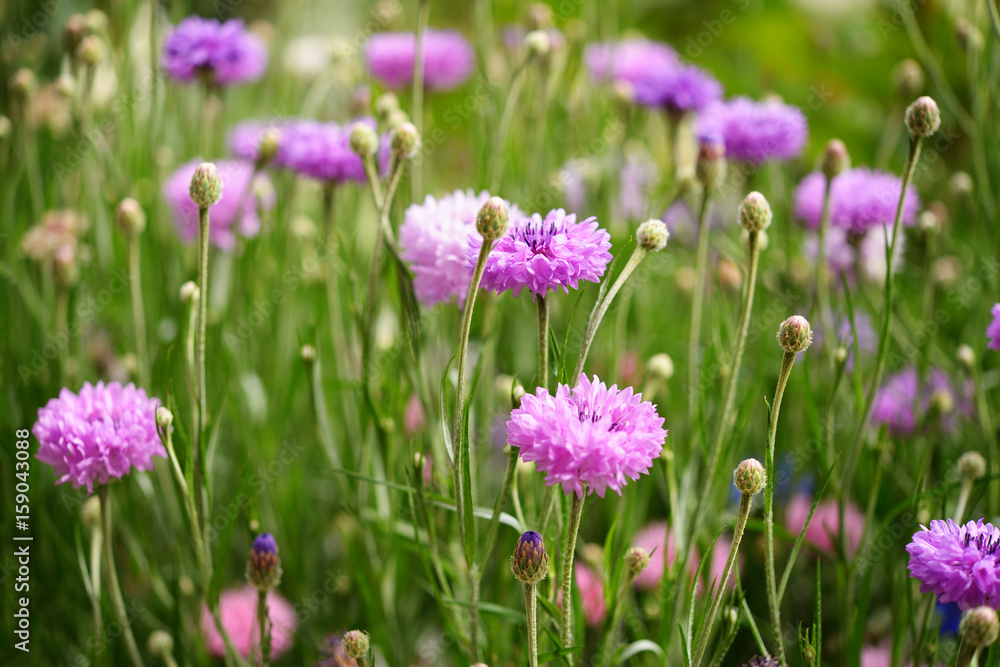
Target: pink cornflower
pixel 542 255
pixel 958 563
pixel 993 330
pixel 448 58
pixel 224 52
pixel 101 433
pixel 238 609
pixel 587 435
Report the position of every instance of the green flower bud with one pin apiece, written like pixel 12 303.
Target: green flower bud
pixel 267 148
pixel 357 644
pixel 636 560
pixel 529 562
pixel 755 213
pixel 711 166
pixel 386 104
pixel 749 477
pixel 971 465
pixel 795 334
pixel 405 141
pixel 364 141
pixel 923 118
pixel 206 185
pixel 491 222
pixel 652 235
pixel 835 158
pixel 538 43
pixel 129 217
pixel 979 627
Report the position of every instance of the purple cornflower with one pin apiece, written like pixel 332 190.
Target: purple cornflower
pixel 860 199
pixel 993 330
pixel 322 150
pixel 225 52
pixel 957 563
pixel 542 255
pixel 448 58
pixel 756 131
pixel 896 403
pixel 435 240
pixel 100 433
pixel 227 220
pixel 587 435
pixel 678 89
pixel 244 138
pixel 840 256
pixel 635 61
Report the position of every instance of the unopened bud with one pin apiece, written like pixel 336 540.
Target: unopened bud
pixel 23 83
pixel 529 562
pixel 961 184
pixel 660 367
pixel 923 118
pixel 74 30
pixel 91 512
pixel 840 355
pixel 966 356
pixel 264 565
pixel 160 644
pixel 979 627
pixel 835 158
pixel 65 267
pixel 189 291
pixel 164 417
pixel 750 477
pixel 91 50
pixel 538 43
pixel 711 166
pixel 795 334
pixel 652 235
pixel 972 465
pixel 755 213
pixel 206 185
pixel 357 644
pixel 129 217
pixel 636 560
pixel 308 353
pixel 396 118
pixel 491 221
pixel 267 147
pixel 405 141
pixel 908 78
pixel 386 104
pixel 364 141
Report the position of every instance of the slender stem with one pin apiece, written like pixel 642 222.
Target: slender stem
pixel 491 535
pixel 994 17
pixel 729 397
pixel 423 15
pixel 602 305
pixel 62 327
pixel 989 433
pixel 362 661
pixel 96 544
pixel 265 632
pixel 513 93
pixel 138 311
pixel 822 271
pixel 701 264
pixel 569 551
pixel 116 592
pixel 611 642
pixel 787 361
pixel 963 499
pixel 720 592
pixel 199 365
pixel 531 612
pixel 883 347
pixel 543 340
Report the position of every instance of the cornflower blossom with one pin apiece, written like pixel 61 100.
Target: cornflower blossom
pixel 225 53
pixel 448 58
pixel 958 563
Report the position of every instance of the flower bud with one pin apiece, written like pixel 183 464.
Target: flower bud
pixel 267 146
pixel 636 560
pixel 164 417
pixel 491 221
pixel 840 355
pixel 795 334
pixel 961 184
pixel 923 118
pixel 979 627
pixel 516 394
pixel 529 562
pixel 91 512
pixel 539 16
pixel 835 158
pixel 206 185
pixel 652 235
pixel 364 141
pixel 711 166
pixel 189 291
pixel 23 83
pixel 129 217
pixel 405 141
pixel 908 78
pixel 749 477
pixel 971 465
pixel 755 213
pixel 623 92
pixel 967 35
pixel 395 118
pixel 660 367
pixel 264 566
pixel 90 51
pixel 386 104
pixel 97 21
pixel 966 356
pixel 942 402
pixel 5 127
pixel 74 30
pixel 160 644
pixel 65 268
pixel 538 43
pixel 357 644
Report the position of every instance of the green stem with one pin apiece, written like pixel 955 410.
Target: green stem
pixel 787 361
pixel 883 347
pixel 601 308
pixel 611 643
pixel 543 340
pixel 204 225
pixel 720 591
pixel 513 93
pixel 265 633
pixel 822 271
pixel 569 551
pixel 62 326
pixel 700 268
pixel 963 499
pixel 138 311
pixel 423 15
pixel 491 535
pixel 116 592
pixel 729 397
pixel 989 432
pixel 96 544
pixel 531 612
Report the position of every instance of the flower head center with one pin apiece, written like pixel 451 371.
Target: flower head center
pixel 985 543
pixel 536 235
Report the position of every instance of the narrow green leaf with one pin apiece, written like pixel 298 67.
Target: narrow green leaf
pixel 637 647
pixel 802 535
pixel 445 421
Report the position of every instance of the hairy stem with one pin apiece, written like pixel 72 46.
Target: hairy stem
pixel 117 601
pixel 138 311
pixel 531 612
pixel 700 267
pixel 569 551
pixel 543 340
